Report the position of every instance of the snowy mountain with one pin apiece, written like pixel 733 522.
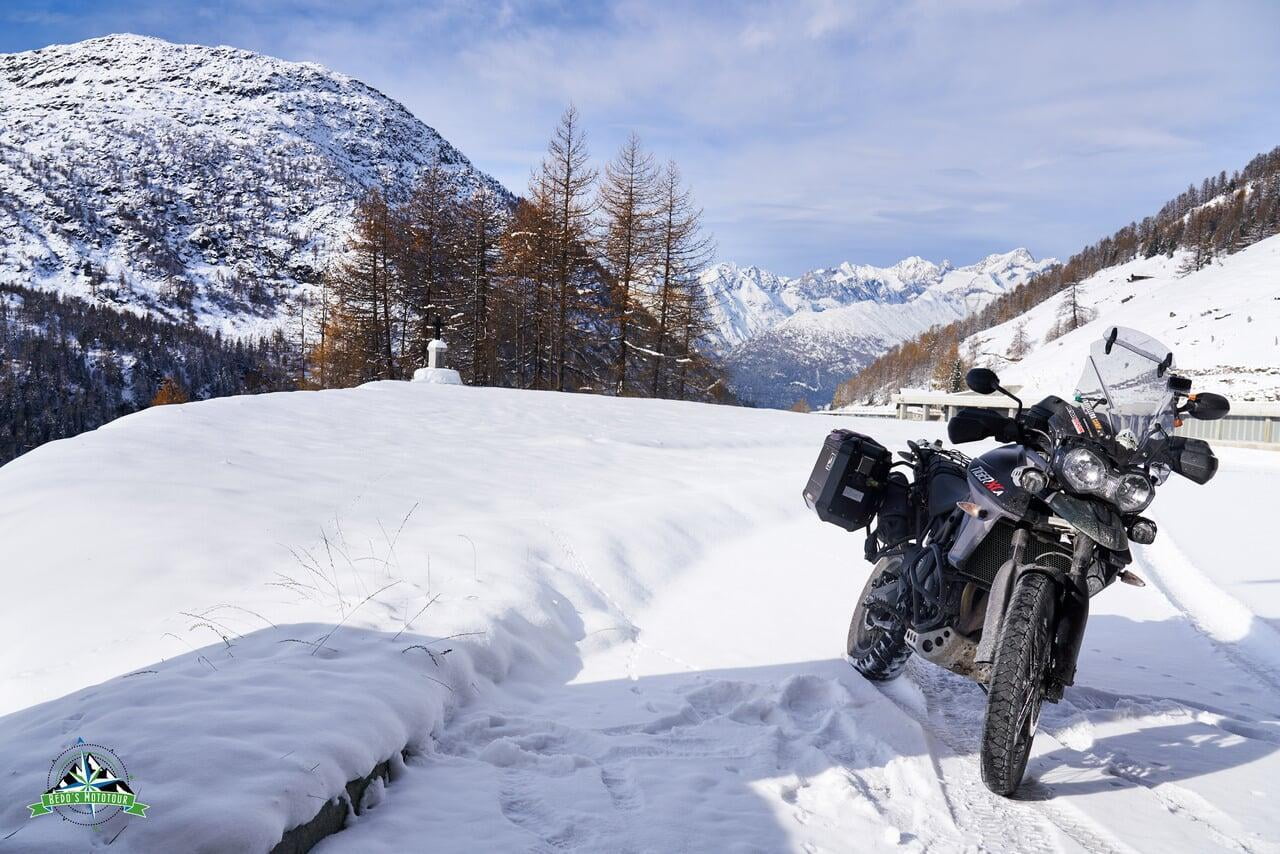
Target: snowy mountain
pixel 1221 322
pixel 251 610
pixel 202 184
pixel 789 338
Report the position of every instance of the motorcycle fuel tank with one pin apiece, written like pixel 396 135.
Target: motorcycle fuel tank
pixel 992 474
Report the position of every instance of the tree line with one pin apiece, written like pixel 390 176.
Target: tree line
pixel 1223 214
pixel 72 365
pixel 587 283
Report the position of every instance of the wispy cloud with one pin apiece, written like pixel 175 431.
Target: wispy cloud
pixel 812 131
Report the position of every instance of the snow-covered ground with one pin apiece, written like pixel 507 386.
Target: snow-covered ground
pixel 597 625
pixel 1222 321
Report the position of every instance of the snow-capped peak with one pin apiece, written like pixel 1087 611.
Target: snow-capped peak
pixel 748 299
pixel 789 337
pixel 198 183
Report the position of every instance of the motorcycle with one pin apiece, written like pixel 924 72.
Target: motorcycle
pixel 986 566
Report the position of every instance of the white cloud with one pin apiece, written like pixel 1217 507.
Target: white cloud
pixel 825 130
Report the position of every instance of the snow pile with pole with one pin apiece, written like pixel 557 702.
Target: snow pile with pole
pixel 575 623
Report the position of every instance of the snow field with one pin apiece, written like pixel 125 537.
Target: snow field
pixel 595 624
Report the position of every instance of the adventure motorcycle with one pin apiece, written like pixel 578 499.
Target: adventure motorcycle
pixel 986 566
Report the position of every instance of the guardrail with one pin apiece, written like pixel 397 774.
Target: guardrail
pixel 1250 425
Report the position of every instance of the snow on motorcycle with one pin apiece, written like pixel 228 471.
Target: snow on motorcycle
pixel 986 566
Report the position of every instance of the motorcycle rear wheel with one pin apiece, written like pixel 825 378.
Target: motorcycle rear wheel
pixel 877 651
pixel 1016 687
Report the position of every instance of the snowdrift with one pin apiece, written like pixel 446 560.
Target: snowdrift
pixel 590 624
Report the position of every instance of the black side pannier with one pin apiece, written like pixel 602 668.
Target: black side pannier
pixel 849 479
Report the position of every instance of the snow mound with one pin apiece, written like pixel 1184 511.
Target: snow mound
pixel 593 624
pixel 438 376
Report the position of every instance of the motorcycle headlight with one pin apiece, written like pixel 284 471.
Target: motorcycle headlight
pixel 1083 470
pixel 1133 493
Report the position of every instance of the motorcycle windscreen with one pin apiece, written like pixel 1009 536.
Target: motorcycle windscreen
pixel 1126 383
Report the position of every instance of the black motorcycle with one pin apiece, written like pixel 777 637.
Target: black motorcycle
pixel 986 566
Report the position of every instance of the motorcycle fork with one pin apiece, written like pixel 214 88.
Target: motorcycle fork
pixel 1073 615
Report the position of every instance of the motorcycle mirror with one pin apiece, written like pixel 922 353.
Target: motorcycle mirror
pixel 982 380
pixel 1207 406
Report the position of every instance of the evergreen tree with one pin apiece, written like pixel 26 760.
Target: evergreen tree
pixel 1019 344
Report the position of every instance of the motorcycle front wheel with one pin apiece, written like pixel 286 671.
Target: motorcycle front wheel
pixel 1016 686
pixel 877 645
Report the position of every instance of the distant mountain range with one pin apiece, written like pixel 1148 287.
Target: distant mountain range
pixel 785 339
pixel 196 184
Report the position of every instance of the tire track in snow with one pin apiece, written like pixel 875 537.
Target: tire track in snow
pixel 759 739
pixel 999 824
pixel 1180 801
pixel 1248 641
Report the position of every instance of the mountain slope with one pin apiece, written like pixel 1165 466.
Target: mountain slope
pixel 1222 216
pixel 203 184
pixel 784 339
pixel 1221 322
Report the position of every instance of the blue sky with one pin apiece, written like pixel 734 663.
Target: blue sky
pixel 812 132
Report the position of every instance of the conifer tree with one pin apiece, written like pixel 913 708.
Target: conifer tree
pixel 361 289
pixel 680 308
pixel 427 257
pixel 526 249
pixel 170 392
pixel 563 186
pixel 629 228
pixel 481 224
pixel 1019 344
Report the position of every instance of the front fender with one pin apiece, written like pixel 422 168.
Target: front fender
pixel 1070 618
pixel 1095 520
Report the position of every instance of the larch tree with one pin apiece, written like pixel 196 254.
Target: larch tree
pixel 629 228
pixel 361 292
pixel 947 369
pixel 1019 344
pixel 1072 314
pixel 481 220
pixel 427 257
pixel 564 187
pixel 170 392
pixel 679 305
pixel 526 247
